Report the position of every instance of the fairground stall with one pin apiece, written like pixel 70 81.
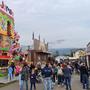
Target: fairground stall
pixel 6 36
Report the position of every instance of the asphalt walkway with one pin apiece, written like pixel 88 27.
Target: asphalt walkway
pixel 75 85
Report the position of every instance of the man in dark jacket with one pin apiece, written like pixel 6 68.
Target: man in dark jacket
pixel 24 76
pixel 47 73
pixel 67 71
pixel 81 73
pixel 85 77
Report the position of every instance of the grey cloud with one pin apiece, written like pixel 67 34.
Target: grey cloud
pixel 54 20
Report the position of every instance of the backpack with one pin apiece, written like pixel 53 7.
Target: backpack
pixel 24 73
pixel 60 72
pixel 22 76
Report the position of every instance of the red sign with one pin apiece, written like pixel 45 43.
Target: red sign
pixel 5 57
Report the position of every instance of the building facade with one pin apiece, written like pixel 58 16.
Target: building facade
pixel 88 54
pixel 40 51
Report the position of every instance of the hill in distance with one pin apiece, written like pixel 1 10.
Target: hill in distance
pixel 65 51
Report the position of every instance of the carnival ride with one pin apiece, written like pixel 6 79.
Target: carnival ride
pixel 8 36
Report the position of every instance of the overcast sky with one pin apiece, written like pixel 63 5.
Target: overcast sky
pixel 65 20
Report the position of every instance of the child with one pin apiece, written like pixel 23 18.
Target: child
pixel 33 80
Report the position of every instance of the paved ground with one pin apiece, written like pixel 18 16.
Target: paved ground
pixel 5 80
pixel 75 85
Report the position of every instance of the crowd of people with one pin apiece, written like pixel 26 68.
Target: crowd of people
pixel 50 74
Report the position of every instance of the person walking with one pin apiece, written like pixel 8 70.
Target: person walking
pixel 77 67
pixel 55 70
pixel 81 72
pixel 13 67
pixel 19 77
pixel 67 71
pixel 33 80
pixel 85 77
pixel 10 73
pixel 60 75
pixel 47 74
pixel 24 76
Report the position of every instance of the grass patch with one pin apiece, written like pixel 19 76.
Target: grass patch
pixel 3 75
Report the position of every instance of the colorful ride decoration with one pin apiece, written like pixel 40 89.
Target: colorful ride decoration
pixel 6 27
pixel 9 39
pixel 6 21
pixel 15 47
